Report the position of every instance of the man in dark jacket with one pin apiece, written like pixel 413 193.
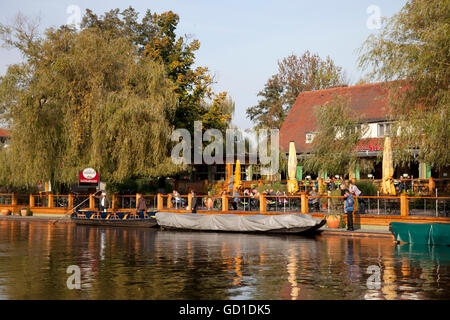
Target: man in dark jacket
pixel 141 206
pixel 194 203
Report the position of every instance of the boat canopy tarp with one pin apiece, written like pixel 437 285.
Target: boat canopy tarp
pixel 232 222
pixel 422 233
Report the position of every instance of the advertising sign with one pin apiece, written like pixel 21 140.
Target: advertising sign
pixel 89 176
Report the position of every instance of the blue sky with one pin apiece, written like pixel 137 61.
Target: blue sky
pixel 241 41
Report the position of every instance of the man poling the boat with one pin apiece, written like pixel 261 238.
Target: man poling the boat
pixel 104 202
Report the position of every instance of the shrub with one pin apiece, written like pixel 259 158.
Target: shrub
pixel 367 188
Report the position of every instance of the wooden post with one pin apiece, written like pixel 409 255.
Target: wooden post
pixel 262 203
pixel 70 202
pixel 404 205
pixel 159 202
pixel 224 202
pixel 169 201
pixel 91 202
pixel 189 206
pixel 137 199
pixel 31 201
pixel 304 202
pixel 50 200
pixel 114 201
pixel 13 199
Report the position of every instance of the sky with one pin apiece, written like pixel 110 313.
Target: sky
pixel 241 41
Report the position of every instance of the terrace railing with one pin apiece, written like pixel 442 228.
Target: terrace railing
pixel 402 206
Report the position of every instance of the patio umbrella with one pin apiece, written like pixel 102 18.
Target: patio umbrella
pixel 237 176
pixel 250 173
pixel 388 168
pixel 292 184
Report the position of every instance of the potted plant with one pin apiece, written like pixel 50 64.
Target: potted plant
pixel 333 219
pixel 29 213
pixel 6 212
pixel 23 211
pixel 324 201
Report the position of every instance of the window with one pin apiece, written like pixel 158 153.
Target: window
pixel 309 137
pixel 384 129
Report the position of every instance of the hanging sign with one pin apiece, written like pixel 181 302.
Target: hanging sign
pixel 89 175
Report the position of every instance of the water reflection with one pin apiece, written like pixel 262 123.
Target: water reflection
pixel 121 263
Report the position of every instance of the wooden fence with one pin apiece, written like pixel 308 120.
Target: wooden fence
pixel 378 210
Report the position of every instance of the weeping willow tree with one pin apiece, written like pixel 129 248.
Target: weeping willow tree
pixel 334 146
pixel 413 46
pixel 83 99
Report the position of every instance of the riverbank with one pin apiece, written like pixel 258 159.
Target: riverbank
pixel 375 231
pixel 40 218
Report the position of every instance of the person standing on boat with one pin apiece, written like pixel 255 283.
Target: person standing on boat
pixel 104 202
pixel 348 207
pixel 141 206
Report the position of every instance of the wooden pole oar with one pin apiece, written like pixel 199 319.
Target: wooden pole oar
pixel 81 203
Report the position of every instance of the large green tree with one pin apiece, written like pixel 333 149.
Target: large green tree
pixel 295 75
pixel 83 99
pixel 413 47
pixel 156 38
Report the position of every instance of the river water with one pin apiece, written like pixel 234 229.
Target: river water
pixel 127 263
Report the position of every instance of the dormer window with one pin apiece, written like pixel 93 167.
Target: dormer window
pixel 384 129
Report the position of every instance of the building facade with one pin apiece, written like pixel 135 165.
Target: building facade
pixel 368 100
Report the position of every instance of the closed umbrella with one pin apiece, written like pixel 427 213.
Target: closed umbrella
pixel 250 173
pixel 292 184
pixel 388 168
pixel 237 176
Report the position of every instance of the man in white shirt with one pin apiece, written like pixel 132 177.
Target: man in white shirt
pixel 362 204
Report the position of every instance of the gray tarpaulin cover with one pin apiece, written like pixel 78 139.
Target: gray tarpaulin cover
pixel 232 222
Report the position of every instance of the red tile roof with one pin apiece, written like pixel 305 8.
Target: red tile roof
pixel 369 100
pixel 4 133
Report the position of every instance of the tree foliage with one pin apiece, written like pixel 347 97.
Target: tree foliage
pixel 333 149
pixel 413 47
pixel 296 74
pixel 155 36
pixel 83 99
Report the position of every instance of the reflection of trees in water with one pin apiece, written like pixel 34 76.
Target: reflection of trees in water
pixel 127 263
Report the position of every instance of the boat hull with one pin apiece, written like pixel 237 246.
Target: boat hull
pixel 122 220
pixel 421 233
pixel 262 224
pixel 293 231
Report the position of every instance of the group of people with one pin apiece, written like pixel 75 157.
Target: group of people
pixel 104 204
pixel 349 203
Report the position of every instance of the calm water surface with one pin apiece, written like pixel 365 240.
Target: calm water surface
pixel 123 263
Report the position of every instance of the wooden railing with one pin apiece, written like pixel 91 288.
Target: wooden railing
pixel 391 207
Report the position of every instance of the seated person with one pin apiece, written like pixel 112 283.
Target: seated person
pixel 313 200
pixel 176 199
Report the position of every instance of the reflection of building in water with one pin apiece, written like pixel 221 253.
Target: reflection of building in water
pixel 238 266
pixel 189 252
pixel 292 272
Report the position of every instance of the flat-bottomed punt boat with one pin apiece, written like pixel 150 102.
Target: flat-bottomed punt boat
pixel 115 219
pixel 281 224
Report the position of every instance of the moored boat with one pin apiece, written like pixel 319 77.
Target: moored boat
pixel 284 223
pixel 421 233
pixel 115 219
